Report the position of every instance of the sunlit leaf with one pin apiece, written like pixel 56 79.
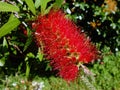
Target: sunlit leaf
pixel 31 6
pixel 40 55
pixel 37 3
pixel 5 7
pixel 44 5
pixel 9 26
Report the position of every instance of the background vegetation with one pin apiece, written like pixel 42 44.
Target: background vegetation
pixel 22 66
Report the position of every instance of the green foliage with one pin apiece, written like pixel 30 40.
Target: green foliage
pixel 43 6
pixel 12 23
pixel 31 6
pixel 58 3
pixel 37 3
pixel 107 72
pixel 5 7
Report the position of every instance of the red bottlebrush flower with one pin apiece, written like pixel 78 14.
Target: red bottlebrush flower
pixel 63 43
pixel 69 72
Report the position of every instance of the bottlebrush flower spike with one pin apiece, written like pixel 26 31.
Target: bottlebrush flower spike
pixel 63 43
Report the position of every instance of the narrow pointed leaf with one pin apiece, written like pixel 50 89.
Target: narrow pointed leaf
pixel 37 3
pixel 31 6
pixel 5 7
pixel 29 39
pixel 40 54
pixel 44 5
pixel 58 3
pixel 9 26
pixel 28 42
pixel 48 9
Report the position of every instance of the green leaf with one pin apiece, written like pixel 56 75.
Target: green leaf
pixel 30 55
pixel 2 61
pixel 29 39
pixel 5 7
pixel 31 6
pixel 40 54
pixel 9 26
pixel 37 3
pixel 5 43
pixel 58 3
pixel 28 42
pixel 48 9
pixel 27 70
pixel 11 17
pixel 43 6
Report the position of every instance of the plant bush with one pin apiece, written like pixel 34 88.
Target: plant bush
pixel 21 58
pixel 107 72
